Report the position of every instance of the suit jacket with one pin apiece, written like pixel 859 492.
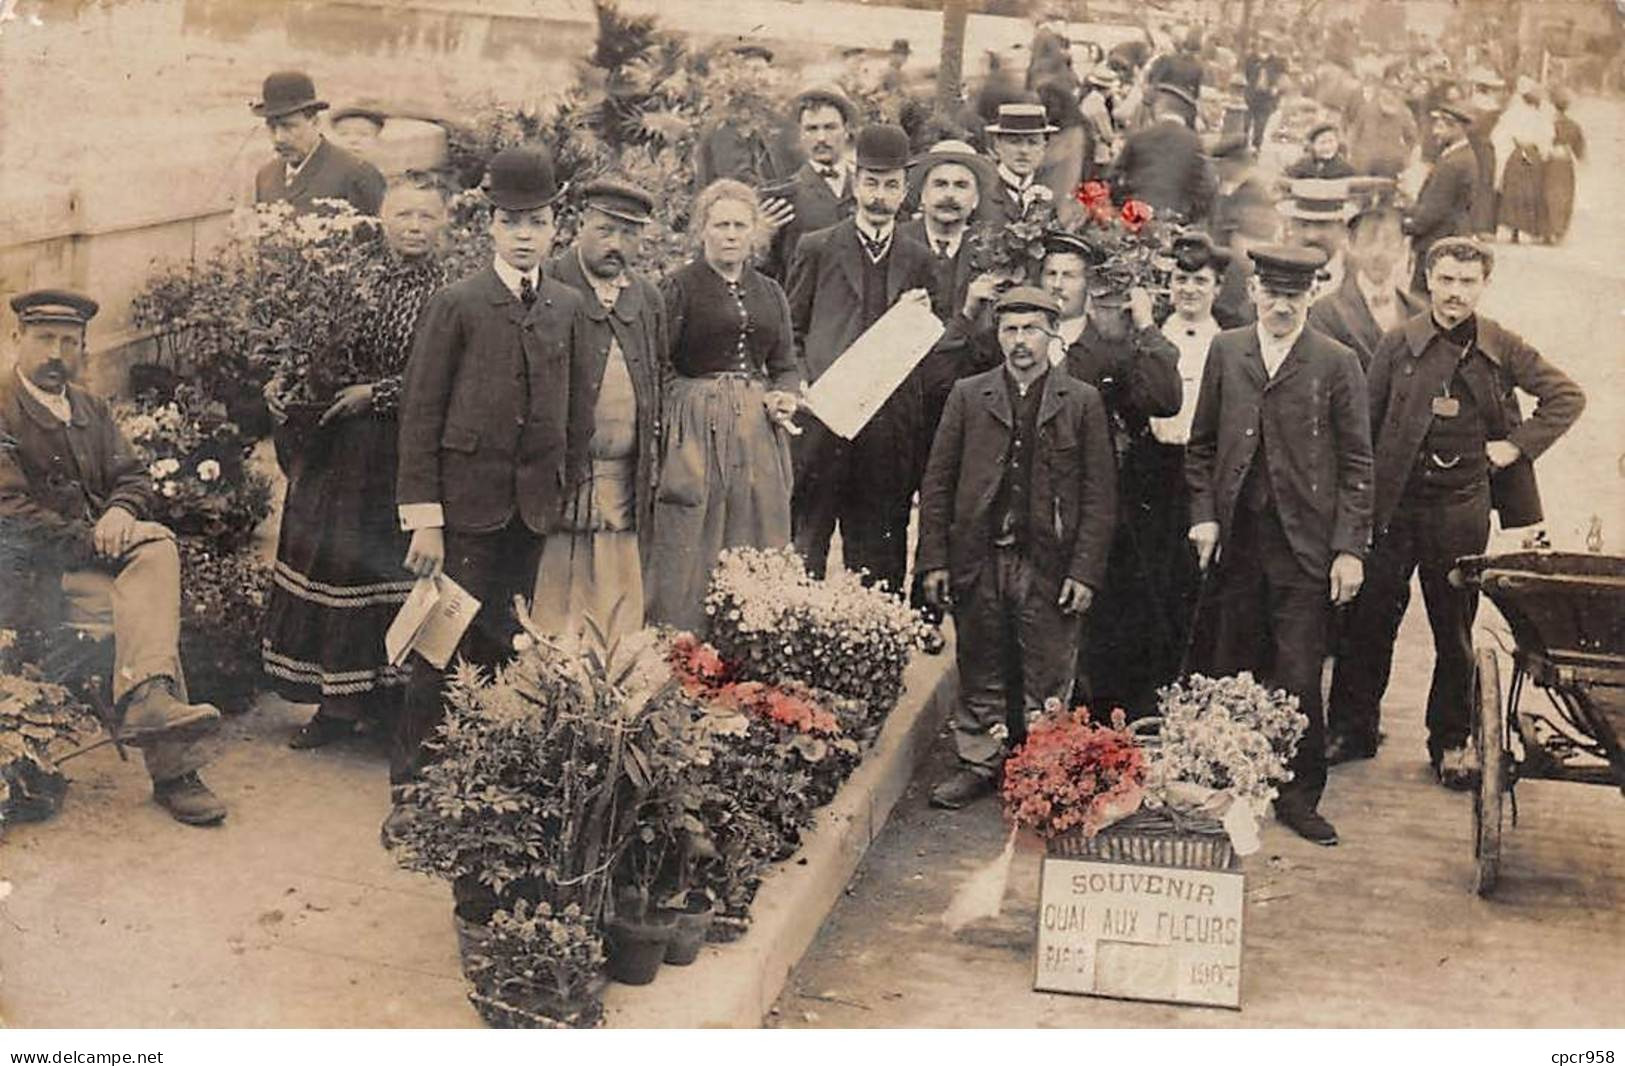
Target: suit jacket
pixel 950 278
pixel 1345 317
pixel 1406 373
pixel 490 423
pixel 1074 483
pixel 57 480
pixel 1445 203
pixel 1316 417
pixel 638 323
pixel 331 173
pixel 1164 165
pixel 946 363
pixel 816 208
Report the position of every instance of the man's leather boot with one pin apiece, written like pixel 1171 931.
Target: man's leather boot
pixel 153 712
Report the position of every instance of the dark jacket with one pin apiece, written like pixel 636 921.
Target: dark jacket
pixel 1074 486
pixel 1344 316
pixel 1316 416
pixel 331 173
pixel 1163 165
pixel 816 208
pixel 1311 166
pixel 946 362
pixel 468 440
pixel 638 322
pixel 1445 203
pixel 56 480
pixel 1405 376
pixel 1137 377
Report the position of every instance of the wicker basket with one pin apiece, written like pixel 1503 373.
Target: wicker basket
pixel 1152 838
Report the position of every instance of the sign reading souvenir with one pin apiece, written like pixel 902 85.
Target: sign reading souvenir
pixel 859 383
pixel 1140 932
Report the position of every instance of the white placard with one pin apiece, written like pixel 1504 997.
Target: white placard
pixel 431 622
pixel 864 376
pixel 1140 932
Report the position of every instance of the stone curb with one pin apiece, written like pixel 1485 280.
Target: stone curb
pixel 733 985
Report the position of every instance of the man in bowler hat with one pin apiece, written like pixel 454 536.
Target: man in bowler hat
pixel 1016 517
pixel 1279 469
pixel 491 428
pixel 845 277
pixel 1444 206
pixel 308 167
pixel 80 546
pixel 1451 445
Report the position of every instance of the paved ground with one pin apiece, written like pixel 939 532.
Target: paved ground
pixel 1383 930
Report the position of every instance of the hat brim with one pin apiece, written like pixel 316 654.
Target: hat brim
pixel 621 213
pixel 512 202
pixel 264 110
pixel 1291 210
pixel 996 129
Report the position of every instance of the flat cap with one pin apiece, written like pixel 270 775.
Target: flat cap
pixel 1281 268
pixel 54 305
pixel 1027 298
pixel 618 199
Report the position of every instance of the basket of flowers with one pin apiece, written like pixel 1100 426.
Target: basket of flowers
pixel 1072 779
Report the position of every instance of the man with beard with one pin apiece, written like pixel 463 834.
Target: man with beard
pixel 1450 445
pixel 308 166
pixel 1107 338
pixel 845 277
pixel 821 192
pixel 595 564
pixel 1279 470
pixel 1372 298
pixel 1444 206
pixel 1016 513
pixel 1019 135
pixel 78 546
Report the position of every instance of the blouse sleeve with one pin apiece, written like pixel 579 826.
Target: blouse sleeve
pixel 671 291
pixel 783 370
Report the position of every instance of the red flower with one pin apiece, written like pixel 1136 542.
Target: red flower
pixel 1093 194
pixel 1136 213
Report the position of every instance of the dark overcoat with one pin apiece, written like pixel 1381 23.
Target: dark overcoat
pixel 1407 373
pixel 331 173
pixel 1317 417
pixel 1164 165
pixel 489 420
pixel 1074 483
pixel 1345 317
pixel 1444 206
pixel 638 322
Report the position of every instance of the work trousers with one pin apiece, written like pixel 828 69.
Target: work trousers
pixel 1272 620
pixel 494 567
pixel 137 601
pixel 1426 536
pixel 856 486
pixel 1015 649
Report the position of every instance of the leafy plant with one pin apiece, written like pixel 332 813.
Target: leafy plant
pixel 537 967
pixel 37 718
pixel 223 598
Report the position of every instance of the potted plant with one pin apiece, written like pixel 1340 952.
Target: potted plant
pixel 537 968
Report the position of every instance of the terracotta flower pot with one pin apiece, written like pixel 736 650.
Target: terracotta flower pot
pixel 691 926
pixel 636 949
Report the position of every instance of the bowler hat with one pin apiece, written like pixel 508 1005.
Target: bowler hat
pixel 1286 269
pixel 882 146
pixel 618 199
pixel 1027 298
pixel 54 305
pixel 520 179
pixel 1021 117
pixel 285 92
pixel 825 96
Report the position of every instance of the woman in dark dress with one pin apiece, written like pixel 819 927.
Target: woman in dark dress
pixel 338 581
pixel 1568 148
pixel 725 462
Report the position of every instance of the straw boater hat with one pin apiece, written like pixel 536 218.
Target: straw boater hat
pixel 1103 77
pixel 286 92
pixel 371 114
pixel 1021 117
pixel 1317 200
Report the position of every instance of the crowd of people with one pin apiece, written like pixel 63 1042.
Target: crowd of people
pixel 1236 465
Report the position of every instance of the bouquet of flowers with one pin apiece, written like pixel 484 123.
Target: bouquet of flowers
pixel 1224 746
pixel 773 622
pixel 1130 241
pixel 1015 248
pixel 1072 774
pixel 196 457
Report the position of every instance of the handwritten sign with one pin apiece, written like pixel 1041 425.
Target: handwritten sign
pixel 1140 932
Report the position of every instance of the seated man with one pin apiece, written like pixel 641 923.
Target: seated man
pixel 73 497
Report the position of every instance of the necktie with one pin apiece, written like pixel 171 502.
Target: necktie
pixel 828 173
pixel 875 248
pixel 527 292
pixel 942 249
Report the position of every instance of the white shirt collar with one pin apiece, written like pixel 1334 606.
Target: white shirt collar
pixel 511 276
pixel 933 238
pixel 1374 294
pixel 1178 329
pixel 879 236
pixel 1013 183
pixel 56 403
pixel 1275 350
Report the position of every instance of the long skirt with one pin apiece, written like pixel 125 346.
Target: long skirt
pixel 1559 183
pixel 1523 203
pixel 338 580
pixel 725 480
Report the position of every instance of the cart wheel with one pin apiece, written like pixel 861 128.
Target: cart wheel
pixel 1489 738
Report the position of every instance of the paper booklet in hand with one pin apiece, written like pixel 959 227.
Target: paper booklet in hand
pixel 431 621
pixel 863 378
